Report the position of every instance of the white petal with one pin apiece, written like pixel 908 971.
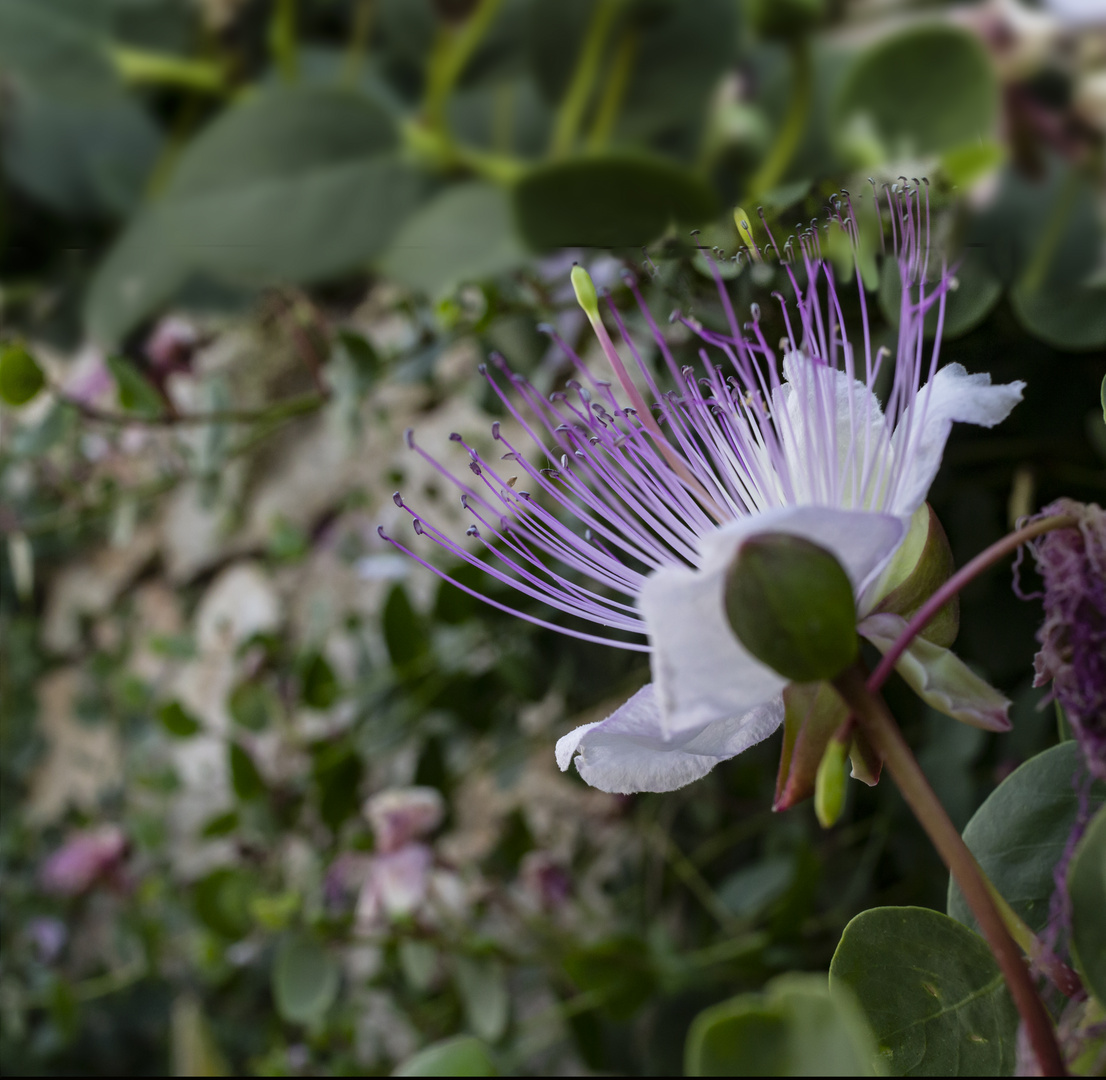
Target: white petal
pixel 629 752
pixel 701 671
pixel 919 441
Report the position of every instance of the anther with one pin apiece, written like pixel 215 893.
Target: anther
pixel 495 430
pixel 397 498
pixel 454 437
pixel 409 435
pixel 417 526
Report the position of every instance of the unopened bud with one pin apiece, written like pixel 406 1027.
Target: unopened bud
pixel 790 603
pixel 829 785
pixel 745 231
pixel 586 296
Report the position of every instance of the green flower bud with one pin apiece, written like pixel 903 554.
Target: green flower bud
pixel 791 604
pixel 829 785
pixel 586 296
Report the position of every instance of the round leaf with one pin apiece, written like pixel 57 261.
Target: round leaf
pixel 927 89
pixel 931 990
pixel 305 980
pixel 798 1027
pixel 460 1056
pixel 609 200
pixel 20 376
pixel 1087 887
pixel 1037 800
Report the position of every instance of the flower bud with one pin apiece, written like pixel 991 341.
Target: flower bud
pixel 790 603
pixel 586 296
pixel 829 785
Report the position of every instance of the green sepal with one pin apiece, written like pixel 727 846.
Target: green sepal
pixel 813 712
pixel 790 603
pixel 939 677
pixel 922 565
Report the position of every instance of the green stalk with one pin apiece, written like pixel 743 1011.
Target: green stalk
pixel 774 166
pixel 877 723
pixel 282 39
pixel 358 41
pixel 139 66
pixel 451 53
pixel 614 90
pixel 570 114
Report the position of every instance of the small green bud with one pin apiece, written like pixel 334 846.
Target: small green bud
pixel 20 376
pixel 829 785
pixel 586 296
pixel 790 603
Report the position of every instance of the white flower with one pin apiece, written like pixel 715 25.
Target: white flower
pixel 749 443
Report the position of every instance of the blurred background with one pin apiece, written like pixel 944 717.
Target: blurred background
pixel 274 800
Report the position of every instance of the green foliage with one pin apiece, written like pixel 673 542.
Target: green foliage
pixel 136 394
pixel 1087 887
pixel 931 991
pixel 608 200
pixel 929 88
pixel 461 1055
pixel 177 721
pixel 305 980
pixel 20 376
pixel 244 775
pixel 1036 800
pixel 796 1027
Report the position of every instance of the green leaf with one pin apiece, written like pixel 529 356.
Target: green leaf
pixel 1087 888
pixel 297 183
pixel 176 721
pixel 618 971
pixel 927 89
pixel 404 632
pixel 251 704
pixel 977 292
pixel 463 234
pixel 20 376
pixel 482 985
pixel 337 771
pixel 460 1056
pixel 73 138
pixel 320 686
pixel 797 1027
pixel 244 776
pixel 608 200
pixel 1036 800
pixel 136 393
pixel 222 901
pixel 932 992
pixel 305 980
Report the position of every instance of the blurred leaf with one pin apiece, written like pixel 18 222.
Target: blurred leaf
pixel 977 292
pixel 796 1027
pixel 618 971
pixel 244 776
pixel 361 354
pixel 931 990
pixel 404 632
pixel 482 985
pixel 924 90
pixel 461 1055
pixel 1037 800
pixel 176 721
pixel 463 234
pixel 192 1047
pixel 609 200
pixel 72 137
pixel 748 891
pixel 305 980
pixel 20 376
pixel 274 913
pixel 964 165
pixel 251 704
pixel 294 184
pixel 1087 888
pixel 786 18
pixel 337 771
pixel 319 685
pixel 222 901
pixel 556 33
pixel 220 825
pixel 136 393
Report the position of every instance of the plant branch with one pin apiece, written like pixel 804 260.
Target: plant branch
pixel 772 170
pixel 878 725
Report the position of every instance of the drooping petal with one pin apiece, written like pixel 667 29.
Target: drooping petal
pixel 629 752
pixel 701 671
pixel 940 677
pixel 952 395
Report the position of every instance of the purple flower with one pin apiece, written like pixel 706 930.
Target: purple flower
pixel 626 515
pixel 85 858
pixel 1072 562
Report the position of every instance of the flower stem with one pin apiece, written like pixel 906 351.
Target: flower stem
pixel 883 733
pixel 998 550
pixel 772 170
